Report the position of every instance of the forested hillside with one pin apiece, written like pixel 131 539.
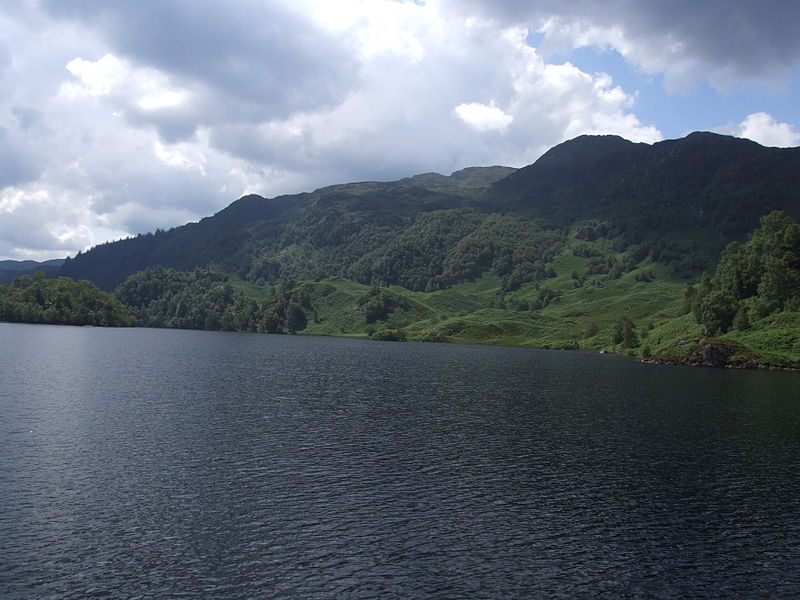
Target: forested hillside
pixel 753 280
pixel 306 235
pixel 11 269
pixel 601 244
pixel 61 301
pixel 752 302
pixel 677 203
pixel 584 303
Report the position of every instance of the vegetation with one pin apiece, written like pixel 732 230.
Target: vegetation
pixel 599 245
pixel 594 298
pixel 11 269
pixel 676 203
pixel 389 335
pixel 753 280
pixel 61 301
pixel 710 352
pixel 200 299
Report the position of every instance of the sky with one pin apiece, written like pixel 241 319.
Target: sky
pixel 120 117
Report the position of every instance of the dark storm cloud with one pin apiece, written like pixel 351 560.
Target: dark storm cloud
pixel 719 39
pixel 251 61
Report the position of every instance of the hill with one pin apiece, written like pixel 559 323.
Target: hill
pixel 750 305
pixel 677 198
pixel 677 203
pixel 298 236
pixel 60 301
pixel 599 245
pixel 11 269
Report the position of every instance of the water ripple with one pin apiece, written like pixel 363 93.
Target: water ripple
pixel 240 466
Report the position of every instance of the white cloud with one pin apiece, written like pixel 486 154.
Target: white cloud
pixel 162 99
pixel 10 199
pixel 116 118
pixel 38 224
pixel 241 60
pixel 482 117
pixel 409 116
pixel 98 77
pixel 764 129
pixel 146 89
pixel 724 42
pixel 393 26
pixel 174 157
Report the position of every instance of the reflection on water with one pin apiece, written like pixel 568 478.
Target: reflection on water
pixel 155 463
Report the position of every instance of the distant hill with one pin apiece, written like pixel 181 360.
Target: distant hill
pixel 676 203
pixel 704 179
pixel 295 236
pixel 601 244
pixel 11 269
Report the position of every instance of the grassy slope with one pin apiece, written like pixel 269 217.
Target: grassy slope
pixel 776 338
pixel 604 302
pixel 256 292
pixel 477 312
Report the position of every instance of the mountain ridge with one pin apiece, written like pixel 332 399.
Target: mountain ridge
pixel 687 197
pixel 10 269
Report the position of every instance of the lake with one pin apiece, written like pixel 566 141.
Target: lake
pixel 146 463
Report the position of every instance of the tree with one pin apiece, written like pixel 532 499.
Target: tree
pixel 766 268
pixel 717 311
pixel 689 295
pixel 779 283
pixel 701 291
pixel 625 333
pixel 295 318
pixel 63 301
pixel 741 321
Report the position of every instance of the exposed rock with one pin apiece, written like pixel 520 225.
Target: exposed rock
pixel 708 352
pixel 714 355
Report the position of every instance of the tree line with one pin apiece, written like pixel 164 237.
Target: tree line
pixel 60 301
pixel 753 280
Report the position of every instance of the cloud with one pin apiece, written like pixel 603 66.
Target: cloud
pixel 16 164
pixel 722 41
pixel 482 117
pixel 147 115
pixel 37 225
pixel 120 117
pixel 439 103
pixel 239 61
pixel 764 129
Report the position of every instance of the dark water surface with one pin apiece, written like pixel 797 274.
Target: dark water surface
pixel 143 463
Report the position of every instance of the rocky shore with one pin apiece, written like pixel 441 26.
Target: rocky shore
pixel 717 353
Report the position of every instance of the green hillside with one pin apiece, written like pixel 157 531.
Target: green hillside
pixel 60 301
pixel 599 245
pixel 11 269
pixel 645 312
pixel 677 203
